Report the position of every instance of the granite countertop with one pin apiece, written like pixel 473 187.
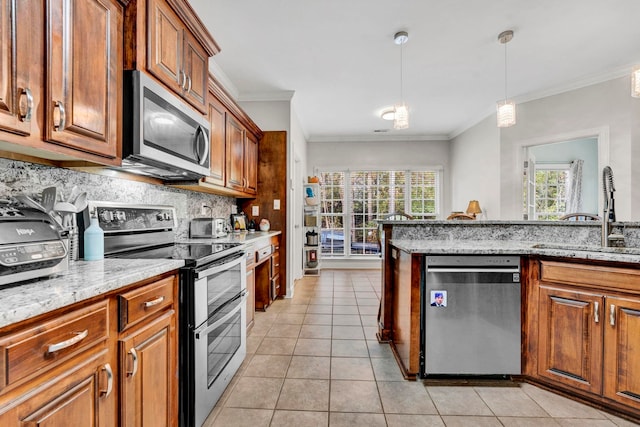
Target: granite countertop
pixel 241 237
pixel 501 247
pixel 82 281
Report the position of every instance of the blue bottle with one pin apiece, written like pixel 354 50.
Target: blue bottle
pixel 93 241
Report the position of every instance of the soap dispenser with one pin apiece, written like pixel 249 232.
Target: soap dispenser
pixel 93 240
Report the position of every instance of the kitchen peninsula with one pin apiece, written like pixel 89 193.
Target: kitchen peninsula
pixel 580 303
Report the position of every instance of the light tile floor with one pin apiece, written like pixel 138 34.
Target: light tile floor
pixel 313 360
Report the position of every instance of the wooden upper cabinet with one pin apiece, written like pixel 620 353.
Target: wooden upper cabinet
pixel 251 164
pixel 235 154
pixel 174 56
pixel 84 74
pixel 218 150
pixel 16 85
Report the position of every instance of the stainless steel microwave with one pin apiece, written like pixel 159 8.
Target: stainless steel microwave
pixel 162 136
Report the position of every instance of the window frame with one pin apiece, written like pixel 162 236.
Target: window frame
pixel 347 202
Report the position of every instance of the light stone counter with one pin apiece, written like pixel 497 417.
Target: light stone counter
pixel 241 237
pixel 82 281
pixel 503 247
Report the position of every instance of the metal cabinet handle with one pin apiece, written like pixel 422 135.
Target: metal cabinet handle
pixel 63 116
pixel 612 315
pixel 181 79
pixel 189 84
pixel 134 359
pixel 155 301
pixel 109 372
pixel 26 117
pixel 596 314
pixel 68 343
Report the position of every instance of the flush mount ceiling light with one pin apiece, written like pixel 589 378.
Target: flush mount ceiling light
pixel 635 82
pixel 506 109
pixel 388 114
pixel 400 111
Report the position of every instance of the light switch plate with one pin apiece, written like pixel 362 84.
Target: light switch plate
pixel 255 210
pixel 234 209
pixel 276 204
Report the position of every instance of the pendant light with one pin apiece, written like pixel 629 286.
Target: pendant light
pixel 401 112
pixel 635 82
pixel 506 109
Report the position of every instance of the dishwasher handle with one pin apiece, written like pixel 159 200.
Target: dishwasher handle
pixel 473 270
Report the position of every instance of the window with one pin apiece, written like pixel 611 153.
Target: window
pixel 352 201
pixel 551 191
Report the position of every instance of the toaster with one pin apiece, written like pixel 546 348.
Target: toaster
pixel 208 227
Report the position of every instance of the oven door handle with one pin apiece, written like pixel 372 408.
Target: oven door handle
pixel 435 270
pixel 229 262
pixel 203 330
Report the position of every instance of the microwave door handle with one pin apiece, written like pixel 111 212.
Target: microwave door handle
pixel 205 138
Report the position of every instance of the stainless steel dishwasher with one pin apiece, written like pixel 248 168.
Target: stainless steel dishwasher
pixel 471 315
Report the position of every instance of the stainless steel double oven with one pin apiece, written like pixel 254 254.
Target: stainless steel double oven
pixel 212 318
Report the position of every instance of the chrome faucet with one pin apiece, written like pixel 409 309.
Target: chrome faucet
pixel 609 214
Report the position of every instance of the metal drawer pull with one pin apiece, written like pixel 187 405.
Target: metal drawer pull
pixel 109 371
pixel 26 117
pixel 63 116
pixel 612 315
pixel 596 315
pixel 153 302
pixel 68 343
pixel 134 358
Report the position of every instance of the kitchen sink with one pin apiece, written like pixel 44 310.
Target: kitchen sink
pixel 587 248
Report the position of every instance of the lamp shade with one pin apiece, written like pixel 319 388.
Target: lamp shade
pixel 474 208
pixel 506 113
pixel 401 117
pixel 635 82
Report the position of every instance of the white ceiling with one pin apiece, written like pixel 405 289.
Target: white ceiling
pixel 339 60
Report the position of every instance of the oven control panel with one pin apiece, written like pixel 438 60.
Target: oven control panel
pixel 120 217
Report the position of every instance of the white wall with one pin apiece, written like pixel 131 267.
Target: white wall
pixel 475 175
pixel 383 155
pixel 606 105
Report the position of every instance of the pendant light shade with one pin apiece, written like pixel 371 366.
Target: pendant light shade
pixel 506 109
pixel 635 82
pixel 401 112
pixel 506 113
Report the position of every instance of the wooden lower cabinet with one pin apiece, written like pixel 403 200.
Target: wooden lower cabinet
pixel 582 328
pixel 147 366
pixel 80 395
pixel 76 367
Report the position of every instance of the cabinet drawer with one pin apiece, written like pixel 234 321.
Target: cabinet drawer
pixel 138 304
pixel 251 257
pixel 263 253
pixel 45 345
pixel 275 264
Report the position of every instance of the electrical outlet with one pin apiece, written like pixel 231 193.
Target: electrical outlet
pixel 234 209
pixel 255 210
pixel 204 209
pixel 276 204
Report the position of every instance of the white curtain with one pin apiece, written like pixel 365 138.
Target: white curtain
pixel 574 187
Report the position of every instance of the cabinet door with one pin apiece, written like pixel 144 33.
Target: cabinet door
pixel 570 338
pixel 235 154
pixel 196 67
pixel 16 96
pixel 164 45
pixel 218 147
pixel 622 350
pixel 147 374
pixel 251 165
pixel 84 68
pixel 81 396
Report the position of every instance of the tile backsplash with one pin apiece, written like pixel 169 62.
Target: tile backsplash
pixel 21 177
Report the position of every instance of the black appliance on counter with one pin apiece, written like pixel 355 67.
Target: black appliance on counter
pixel 212 298
pixel 31 245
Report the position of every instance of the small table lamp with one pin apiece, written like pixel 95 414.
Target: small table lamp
pixel 474 208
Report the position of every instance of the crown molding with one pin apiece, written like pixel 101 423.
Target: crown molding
pixel 376 138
